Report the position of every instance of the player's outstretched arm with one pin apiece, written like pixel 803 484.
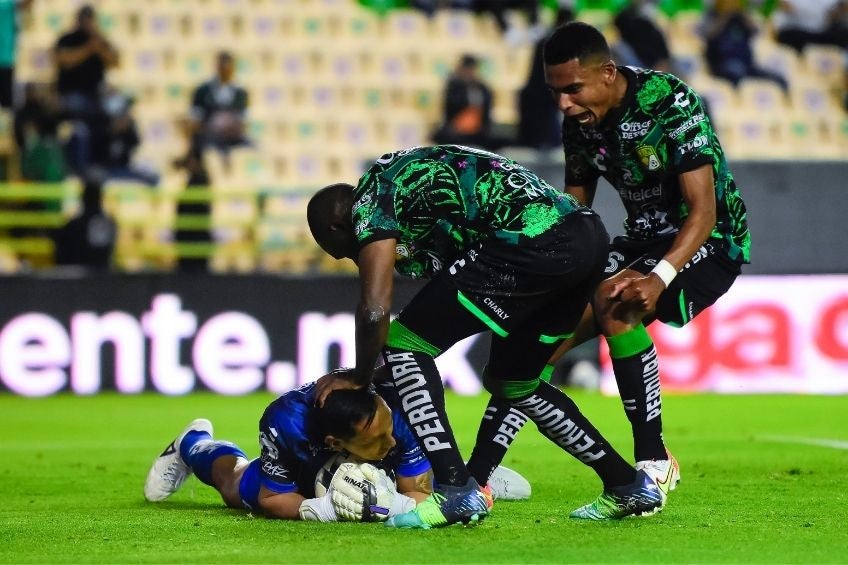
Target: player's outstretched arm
pixel 293 506
pixel 376 279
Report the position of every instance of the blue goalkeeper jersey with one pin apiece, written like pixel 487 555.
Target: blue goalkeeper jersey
pixel 291 457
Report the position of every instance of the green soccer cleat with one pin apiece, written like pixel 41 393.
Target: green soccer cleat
pixel 641 498
pixel 466 505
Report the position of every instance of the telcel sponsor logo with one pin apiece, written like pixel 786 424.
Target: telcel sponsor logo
pixel 230 353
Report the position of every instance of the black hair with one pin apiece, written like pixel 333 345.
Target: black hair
pixel 468 61
pixel 576 40
pixel 342 410
pixel 85 11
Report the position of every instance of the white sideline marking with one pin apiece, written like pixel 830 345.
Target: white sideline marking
pixel 821 442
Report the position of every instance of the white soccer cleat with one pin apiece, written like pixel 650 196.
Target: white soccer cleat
pixel 169 471
pixel 666 473
pixel 508 484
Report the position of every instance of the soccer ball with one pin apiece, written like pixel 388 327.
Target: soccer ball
pixel 326 472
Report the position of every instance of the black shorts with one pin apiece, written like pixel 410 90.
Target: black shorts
pixel 531 296
pixel 705 278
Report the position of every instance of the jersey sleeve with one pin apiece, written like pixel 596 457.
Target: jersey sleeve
pixel 692 140
pixel 579 168
pixel 276 469
pixel 413 462
pixel 373 211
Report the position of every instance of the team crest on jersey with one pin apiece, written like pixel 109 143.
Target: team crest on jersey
pixel 648 157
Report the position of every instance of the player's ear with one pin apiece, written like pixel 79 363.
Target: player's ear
pixel 608 71
pixel 333 443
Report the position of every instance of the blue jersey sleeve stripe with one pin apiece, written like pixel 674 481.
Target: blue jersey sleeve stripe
pixel 281 488
pixel 413 469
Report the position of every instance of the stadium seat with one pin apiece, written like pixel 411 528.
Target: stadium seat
pixel 35 61
pixel 762 96
pixel 826 63
pixel 777 58
pixel 815 100
pixel 719 94
pixel 454 30
pixel 405 26
pixel 814 138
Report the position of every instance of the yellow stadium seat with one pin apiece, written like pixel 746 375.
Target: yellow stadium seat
pixel 35 61
pixel 406 25
pixel 826 63
pixel 777 58
pixel 762 96
pixel 719 94
pixel 211 29
pixel 455 29
pixel 815 100
pixel 814 137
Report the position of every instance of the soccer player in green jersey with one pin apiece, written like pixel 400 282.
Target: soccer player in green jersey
pixel 686 235
pixel 504 252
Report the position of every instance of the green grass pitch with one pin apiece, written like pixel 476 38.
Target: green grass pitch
pixel 764 481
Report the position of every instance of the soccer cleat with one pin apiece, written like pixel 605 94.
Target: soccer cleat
pixel 508 485
pixel 666 472
pixel 640 498
pixel 169 471
pixel 466 505
pixel 488 495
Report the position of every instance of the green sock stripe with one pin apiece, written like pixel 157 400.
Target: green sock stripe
pixel 629 343
pixel 480 315
pixel 546 373
pixel 555 338
pixel 401 337
pixel 511 389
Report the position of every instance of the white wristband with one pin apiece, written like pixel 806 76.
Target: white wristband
pixel 665 271
pixel 318 509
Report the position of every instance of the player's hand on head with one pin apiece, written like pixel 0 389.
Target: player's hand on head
pixel 338 379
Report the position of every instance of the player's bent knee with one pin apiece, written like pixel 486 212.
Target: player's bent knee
pixel 228 478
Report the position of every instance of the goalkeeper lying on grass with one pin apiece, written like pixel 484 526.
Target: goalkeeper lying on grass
pixel 361 453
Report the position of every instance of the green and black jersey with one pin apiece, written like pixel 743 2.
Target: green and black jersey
pixel 440 201
pixel 660 130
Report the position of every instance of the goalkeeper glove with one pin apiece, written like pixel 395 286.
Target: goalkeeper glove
pixel 364 493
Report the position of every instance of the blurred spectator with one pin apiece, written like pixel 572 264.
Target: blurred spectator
pixel 82 56
pixel 642 43
pixel 512 34
pixel 728 31
pixel 539 119
pixel 218 108
pixel 122 141
pixel 799 23
pixel 36 125
pixel 497 8
pixel 467 108
pixel 8 48
pixel 89 238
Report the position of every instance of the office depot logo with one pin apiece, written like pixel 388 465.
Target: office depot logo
pixel 767 334
pixel 229 353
